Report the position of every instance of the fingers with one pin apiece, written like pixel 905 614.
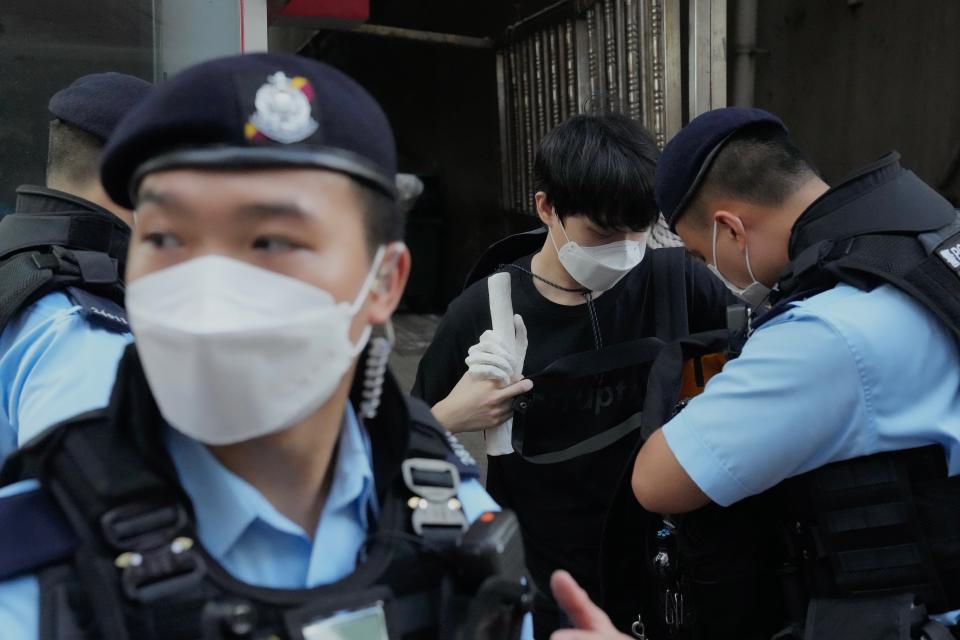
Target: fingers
pixel 577 604
pixel 490 343
pixel 520 329
pixel 489 372
pixel 515 389
pixel 482 358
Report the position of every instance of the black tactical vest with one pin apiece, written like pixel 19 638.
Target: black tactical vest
pixel 56 241
pixel 112 535
pixel 860 548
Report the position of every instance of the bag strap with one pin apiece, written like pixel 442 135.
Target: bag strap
pixel 592 444
pixel 610 358
pixel 670 292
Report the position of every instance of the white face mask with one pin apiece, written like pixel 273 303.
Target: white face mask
pixel 600 268
pixel 232 351
pixel 755 293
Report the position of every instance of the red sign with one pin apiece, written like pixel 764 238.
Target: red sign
pixel 353 10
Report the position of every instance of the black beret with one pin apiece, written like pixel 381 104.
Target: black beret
pixel 257 110
pixel 687 157
pixel 96 103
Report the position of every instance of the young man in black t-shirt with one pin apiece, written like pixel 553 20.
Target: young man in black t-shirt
pixel 589 289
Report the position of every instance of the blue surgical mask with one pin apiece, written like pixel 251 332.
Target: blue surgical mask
pixel 754 294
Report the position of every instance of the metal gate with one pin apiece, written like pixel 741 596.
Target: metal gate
pixel 600 55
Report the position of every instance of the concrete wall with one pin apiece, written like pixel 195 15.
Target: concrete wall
pixel 853 80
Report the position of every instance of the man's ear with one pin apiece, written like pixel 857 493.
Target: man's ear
pixel 545 210
pixel 730 224
pixel 391 280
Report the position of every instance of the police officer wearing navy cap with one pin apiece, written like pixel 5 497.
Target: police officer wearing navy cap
pixel 812 487
pixel 257 474
pixel 61 268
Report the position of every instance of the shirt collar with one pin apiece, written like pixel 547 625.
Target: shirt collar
pixel 225 505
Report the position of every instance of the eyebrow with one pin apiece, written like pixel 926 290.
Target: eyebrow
pixel 273 210
pixel 168 201
pixel 257 210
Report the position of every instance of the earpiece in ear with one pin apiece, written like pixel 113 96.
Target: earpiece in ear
pixel 382 282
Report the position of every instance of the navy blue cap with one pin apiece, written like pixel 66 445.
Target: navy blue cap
pixel 96 103
pixel 687 157
pixel 253 111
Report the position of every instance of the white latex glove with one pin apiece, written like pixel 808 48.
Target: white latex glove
pixel 490 359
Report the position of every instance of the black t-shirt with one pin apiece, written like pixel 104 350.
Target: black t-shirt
pixel 561 506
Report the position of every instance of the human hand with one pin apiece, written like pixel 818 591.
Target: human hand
pixel 590 621
pixel 476 403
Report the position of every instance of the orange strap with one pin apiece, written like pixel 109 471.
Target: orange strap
pixel 711 364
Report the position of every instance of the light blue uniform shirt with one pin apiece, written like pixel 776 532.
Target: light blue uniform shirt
pixel 53 365
pixel 247 535
pixel 843 374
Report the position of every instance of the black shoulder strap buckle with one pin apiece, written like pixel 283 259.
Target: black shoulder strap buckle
pixel 143 525
pixel 170 570
pixel 157 559
pixel 437 513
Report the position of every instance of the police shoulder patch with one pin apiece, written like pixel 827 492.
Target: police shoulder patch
pixel 949 252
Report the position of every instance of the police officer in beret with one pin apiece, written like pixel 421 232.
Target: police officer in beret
pixel 812 487
pixel 257 474
pixel 61 268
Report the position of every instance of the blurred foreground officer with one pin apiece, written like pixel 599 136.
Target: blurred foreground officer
pixel 257 473
pixel 62 255
pixel 832 443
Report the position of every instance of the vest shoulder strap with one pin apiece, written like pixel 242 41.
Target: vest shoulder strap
pixel 34 533
pixel 22 278
pixel 92 281
pixel 925 266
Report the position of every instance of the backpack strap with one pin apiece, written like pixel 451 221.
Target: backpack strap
pixel 670 292
pixel 505 251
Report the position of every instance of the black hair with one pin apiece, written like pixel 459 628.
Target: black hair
pixel 602 167
pixel 383 220
pixel 758 164
pixel 73 157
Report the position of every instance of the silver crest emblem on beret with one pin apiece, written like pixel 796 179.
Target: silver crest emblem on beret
pixel 283 111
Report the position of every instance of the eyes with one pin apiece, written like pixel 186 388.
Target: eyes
pixel 276 244
pixel 273 244
pixel 163 240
